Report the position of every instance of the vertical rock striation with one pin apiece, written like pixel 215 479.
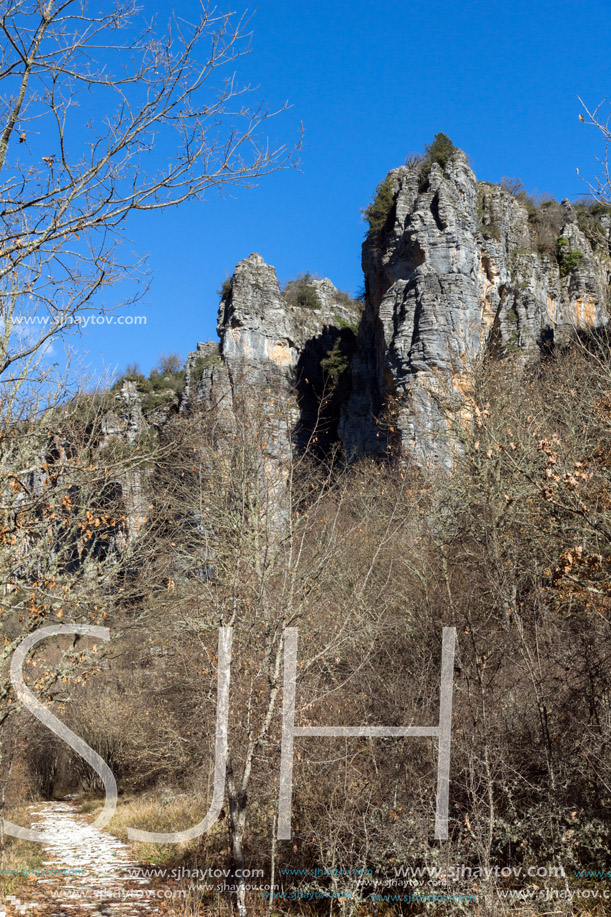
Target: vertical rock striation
pixel 455 274
pixel 270 352
pixel 456 271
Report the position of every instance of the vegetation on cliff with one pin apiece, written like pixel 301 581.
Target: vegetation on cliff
pixel 165 382
pixel 379 209
pixel 301 293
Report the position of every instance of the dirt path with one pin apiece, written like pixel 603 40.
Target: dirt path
pixel 90 872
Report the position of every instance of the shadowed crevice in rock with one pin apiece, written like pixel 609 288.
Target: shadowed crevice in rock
pixel 281 350
pixel 455 273
pixel 322 382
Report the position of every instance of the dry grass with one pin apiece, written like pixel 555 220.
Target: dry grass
pixel 162 812
pixel 165 811
pixel 18 857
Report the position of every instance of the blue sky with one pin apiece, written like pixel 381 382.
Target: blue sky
pixel 371 82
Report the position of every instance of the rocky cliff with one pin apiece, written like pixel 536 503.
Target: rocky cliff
pixel 456 271
pixel 461 269
pixel 272 352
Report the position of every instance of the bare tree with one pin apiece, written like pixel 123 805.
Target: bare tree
pixel 244 534
pixel 600 187
pixel 102 115
pixel 63 533
pixel 169 363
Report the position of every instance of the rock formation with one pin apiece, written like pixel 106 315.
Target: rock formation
pixel 460 270
pixel 455 274
pixel 271 351
pixel 127 422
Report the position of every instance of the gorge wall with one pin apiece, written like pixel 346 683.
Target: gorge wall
pixel 274 354
pixel 458 270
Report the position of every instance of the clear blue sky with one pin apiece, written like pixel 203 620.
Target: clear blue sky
pixel 372 81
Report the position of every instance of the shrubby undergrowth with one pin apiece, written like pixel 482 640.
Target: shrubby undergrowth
pixel 513 549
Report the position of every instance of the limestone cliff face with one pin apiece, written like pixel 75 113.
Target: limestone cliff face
pixel 268 362
pixel 127 422
pixel 452 275
pixel 257 348
pixel 269 350
pixel 459 271
pixel 127 419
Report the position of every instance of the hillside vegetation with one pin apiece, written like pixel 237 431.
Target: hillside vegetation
pixel 513 548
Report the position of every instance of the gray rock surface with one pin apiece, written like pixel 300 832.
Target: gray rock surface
pixel 127 420
pixel 461 270
pixel 263 341
pixel 453 275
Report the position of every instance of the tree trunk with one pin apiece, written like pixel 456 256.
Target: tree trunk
pixel 237 818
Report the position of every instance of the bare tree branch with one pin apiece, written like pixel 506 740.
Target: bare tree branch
pixel 103 114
